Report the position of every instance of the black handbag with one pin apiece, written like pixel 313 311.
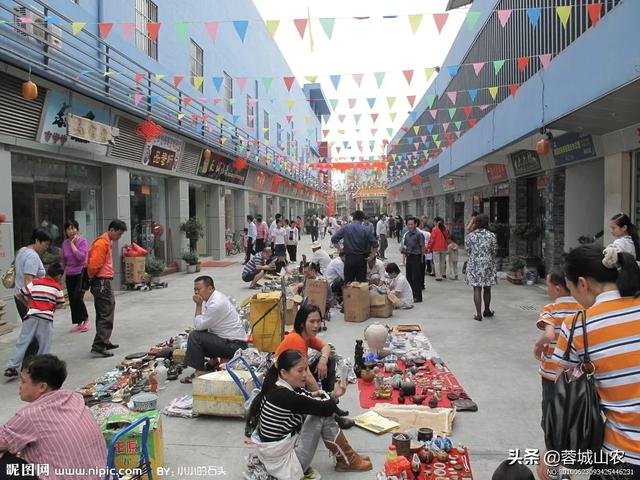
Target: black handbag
pixel 573 419
pixel 85 280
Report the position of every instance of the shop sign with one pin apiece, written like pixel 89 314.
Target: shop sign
pixel 218 167
pixel 525 162
pixel 80 128
pixel 496 172
pixel 541 182
pixel 59 127
pixel 476 201
pixel 448 184
pixel 572 146
pixel 163 152
pixel 501 189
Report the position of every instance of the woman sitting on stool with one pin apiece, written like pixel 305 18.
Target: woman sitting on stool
pixel 286 422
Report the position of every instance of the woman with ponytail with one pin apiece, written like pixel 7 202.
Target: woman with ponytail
pixel 626 234
pixel 607 284
pixel 286 422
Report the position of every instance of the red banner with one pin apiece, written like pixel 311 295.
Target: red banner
pixel 347 166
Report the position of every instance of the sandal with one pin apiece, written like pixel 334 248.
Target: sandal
pixel 477 317
pixel 488 313
pixel 11 373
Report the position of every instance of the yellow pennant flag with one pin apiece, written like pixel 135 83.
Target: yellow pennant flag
pixel 311 79
pixel 76 27
pixel 391 101
pixel 107 74
pixel 272 26
pixel 219 118
pixel 180 116
pixel 415 21
pixel 158 77
pixel 429 71
pixel 172 98
pixel 392 116
pixel 307 118
pixel 416 129
pixel 493 91
pixel 290 103
pixel 563 14
pixel 222 140
pixel 197 82
pixel 437 142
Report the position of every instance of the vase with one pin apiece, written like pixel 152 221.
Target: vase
pixel 367 376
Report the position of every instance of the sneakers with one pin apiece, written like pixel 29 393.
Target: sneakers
pixel 76 328
pixel 85 326
pixel 311 474
pixel 101 353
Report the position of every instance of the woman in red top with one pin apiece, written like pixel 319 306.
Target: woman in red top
pixel 438 244
pixel 305 328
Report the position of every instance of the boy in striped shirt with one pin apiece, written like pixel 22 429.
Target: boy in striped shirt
pixel 550 321
pixel 42 297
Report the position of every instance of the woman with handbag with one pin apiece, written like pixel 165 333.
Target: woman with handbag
pixel 607 284
pixel 74 260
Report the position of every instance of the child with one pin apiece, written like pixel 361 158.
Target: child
pixel 563 305
pixel 452 253
pixel 42 296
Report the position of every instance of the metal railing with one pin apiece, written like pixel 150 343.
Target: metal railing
pixel 494 42
pixel 84 62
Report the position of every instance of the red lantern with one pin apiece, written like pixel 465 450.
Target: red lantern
pixel 299 186
pixel 416 180
pixel 3 217
pixel 149 130
pixel 543 146
pixel 239 163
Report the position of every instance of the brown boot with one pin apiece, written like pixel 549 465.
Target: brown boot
pixel 347 459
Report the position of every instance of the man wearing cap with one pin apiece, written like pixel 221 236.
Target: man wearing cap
pixel 358 243
pixel 319 256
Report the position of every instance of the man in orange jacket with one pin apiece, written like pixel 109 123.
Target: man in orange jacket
pixel 100 272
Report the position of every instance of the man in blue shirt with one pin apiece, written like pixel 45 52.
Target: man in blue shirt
pixel 358 241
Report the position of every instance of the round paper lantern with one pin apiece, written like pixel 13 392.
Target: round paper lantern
pixel 3 217
pixel 29 90
pixel 207 154
pixel 543 146
pixel 239 163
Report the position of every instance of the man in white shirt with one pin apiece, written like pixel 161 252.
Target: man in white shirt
pixel 272 229
pixel 400 286
pixel 381 233
pixel 319 257
pixel 218 330
pixel 252 235
pixel 374 266
pixel 335 276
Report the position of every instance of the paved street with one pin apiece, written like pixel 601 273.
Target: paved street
pixel 492 360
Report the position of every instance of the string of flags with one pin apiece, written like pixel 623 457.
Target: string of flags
pixel 327 24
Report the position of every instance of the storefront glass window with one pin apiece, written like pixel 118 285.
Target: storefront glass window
pixel 253 204
pixel 148 213
pixel 46 193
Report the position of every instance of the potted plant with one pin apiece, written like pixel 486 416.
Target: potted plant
pixel 194 230
pixel 154 267
pixel 515 275
pixel 191 258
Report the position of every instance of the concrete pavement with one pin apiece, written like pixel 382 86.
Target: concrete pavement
pixel 491 359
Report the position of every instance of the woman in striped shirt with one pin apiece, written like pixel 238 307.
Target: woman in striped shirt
pixel 607 284
pixel 286 422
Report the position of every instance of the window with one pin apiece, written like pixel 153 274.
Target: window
pixel 197 62
pixel 251 111
pixel 288 144
pixel 279 134
pixel 146 12
pixel 228 92
pixel 266 126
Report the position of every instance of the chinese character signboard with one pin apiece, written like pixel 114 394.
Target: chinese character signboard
pixel 496 172
pixel 80 128
pixel 218 167
pixel 525 162
pixel 448 184
pixel 501 189
pixel 163 152
pixel 571 147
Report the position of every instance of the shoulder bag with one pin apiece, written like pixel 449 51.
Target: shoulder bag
pixel 573 419
pixel 9 277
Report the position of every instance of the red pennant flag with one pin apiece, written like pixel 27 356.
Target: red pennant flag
pixel 408 75
pixel 513 88
pixel 405 129
pixel 186 101
pixel 242 82
pixel 595 10
pixel 289 118
pixel 472 122
pixel 352 102
pixel 440 19
pixel 341 118
pixel 467 111
pixel 177 79
pixel 374 131
pixel 411 99
pixel 153 28
pixel 288 81
pixel 212 28
pixel 522 63
pixel 374 117
pixel 357 77
pixel 105 29
pixel 325 133
pixel 301 25
pixel 138 76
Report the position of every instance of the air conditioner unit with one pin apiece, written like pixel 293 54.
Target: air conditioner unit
pixel 32 24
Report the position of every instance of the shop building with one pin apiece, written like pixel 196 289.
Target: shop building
pixel 541 204
pixel 112 133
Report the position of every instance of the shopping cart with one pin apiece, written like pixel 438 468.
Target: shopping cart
pixel 143 469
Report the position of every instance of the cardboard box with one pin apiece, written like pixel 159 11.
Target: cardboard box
pixel 134 269
pixel 316 291
pixel 267 329
pixel 394 299
pixel 127 449
pixel 381 306
pixel 356 302
pixel 290 314
pixel 217 394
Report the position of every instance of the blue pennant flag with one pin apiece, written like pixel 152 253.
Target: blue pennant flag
pixel 371 102
pixel 430 127
pixel 534 16
pixel 473 93
pixel 453 70
pixel 241 28
pixel 335 79
pixel 217 82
